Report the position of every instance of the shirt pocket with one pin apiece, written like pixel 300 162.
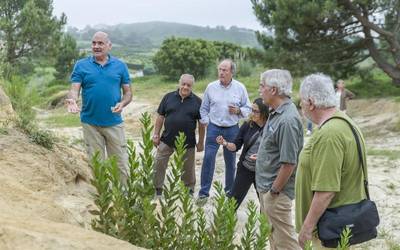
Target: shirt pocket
pixel 236 100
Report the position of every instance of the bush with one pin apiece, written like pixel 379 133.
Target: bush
pixel 200 58
pixel 244 68
pixel 130 213
pixel 23 99
pixel 373 83
pixel 182 55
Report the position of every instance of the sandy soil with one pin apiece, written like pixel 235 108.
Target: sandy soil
pixel 45 195
pixel 376 122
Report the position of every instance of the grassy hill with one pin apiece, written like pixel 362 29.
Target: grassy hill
pixel 137 42
pixel 151 34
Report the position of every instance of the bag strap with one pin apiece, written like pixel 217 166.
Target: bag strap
pixel 360 157
pixel 253 139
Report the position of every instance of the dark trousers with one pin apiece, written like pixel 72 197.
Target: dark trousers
pixel 243 180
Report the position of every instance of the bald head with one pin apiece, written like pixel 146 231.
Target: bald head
pixel 101 45
pixel 101 35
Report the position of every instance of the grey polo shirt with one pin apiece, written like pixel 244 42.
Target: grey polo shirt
pixel 281 142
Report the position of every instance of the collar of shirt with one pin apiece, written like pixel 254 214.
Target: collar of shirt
pixel 178 95
pixel 226 86
pixel 110 60
pixel 281 107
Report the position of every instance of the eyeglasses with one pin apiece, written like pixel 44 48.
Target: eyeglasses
pixel 255 111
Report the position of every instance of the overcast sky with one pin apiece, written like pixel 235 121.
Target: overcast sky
pixel 198 12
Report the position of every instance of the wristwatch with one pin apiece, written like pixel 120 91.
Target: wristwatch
pixel 274 191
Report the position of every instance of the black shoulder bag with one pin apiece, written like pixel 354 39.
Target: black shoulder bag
pixel 362 218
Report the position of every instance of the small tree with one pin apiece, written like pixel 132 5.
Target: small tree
pixel 67 55
pixel 331 36
pixel 181 55
pixel 28 28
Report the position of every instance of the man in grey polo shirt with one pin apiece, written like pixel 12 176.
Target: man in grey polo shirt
pixel 281 143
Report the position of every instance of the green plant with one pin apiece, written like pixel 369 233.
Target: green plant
pixel 42 137
pixel 391 186
pixel 3 131
pixel 345 236
pixel 182 55
pixel 224 221
pixel 23 99
pixel 250 238
pixel 390 154
pixel 130 213
pixel 308 245
pixel 244 68
pixel 63 120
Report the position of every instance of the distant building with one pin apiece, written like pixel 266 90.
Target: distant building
pixel 136 70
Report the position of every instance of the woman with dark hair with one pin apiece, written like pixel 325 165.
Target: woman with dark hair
pixel 249 137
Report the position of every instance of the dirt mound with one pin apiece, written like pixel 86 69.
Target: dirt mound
pixel 45 198
pixel 376 116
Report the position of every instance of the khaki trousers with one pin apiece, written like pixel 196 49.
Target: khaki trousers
pixel 108 141
pixel 161 163
pixel 278 211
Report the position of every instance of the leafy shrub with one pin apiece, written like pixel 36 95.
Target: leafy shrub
pixel 23 99
pixel 182 55
pixel 130 213
pixel 199 57
pixel 244 68
pixel 372 83
pixel 42 137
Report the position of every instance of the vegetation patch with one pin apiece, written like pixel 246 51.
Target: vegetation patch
pixel 23 99
pixel 63 120
pixel 390 154
pixel 373 84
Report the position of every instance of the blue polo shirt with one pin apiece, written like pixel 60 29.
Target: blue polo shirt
pixel 101 89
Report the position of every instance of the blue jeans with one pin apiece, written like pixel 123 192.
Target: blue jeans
pixel 211 149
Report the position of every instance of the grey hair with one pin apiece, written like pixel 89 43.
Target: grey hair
pixel 318 88
pixel 103 34
pixel 279 78
pixel 233 65
pixel 191 77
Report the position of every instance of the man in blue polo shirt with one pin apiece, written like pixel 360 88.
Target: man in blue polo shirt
pixel 101 78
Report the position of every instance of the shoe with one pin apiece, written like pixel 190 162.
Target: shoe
pixel 309 132
pixel 191 192
pixel 158 193
pixel 201 200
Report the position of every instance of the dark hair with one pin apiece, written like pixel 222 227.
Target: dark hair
pixel 264 109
